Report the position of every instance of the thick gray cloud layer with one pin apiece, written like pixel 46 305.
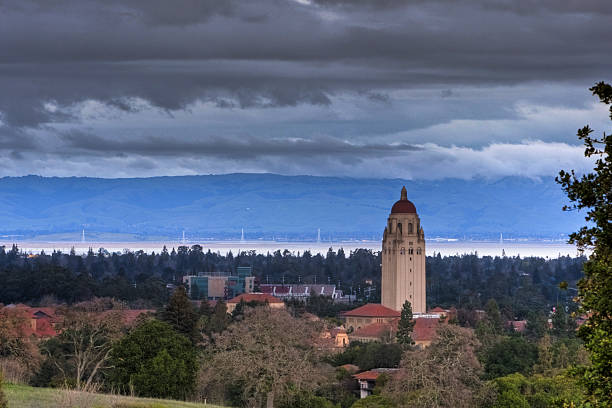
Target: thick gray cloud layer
pixel 367 87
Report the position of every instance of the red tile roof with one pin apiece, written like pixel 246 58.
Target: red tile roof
pixel 425 329
pixel 38 322
pixel 42 321
pixel 367 375
pixel 438 309
pixel 255 297
pixel 372 310
pixel 375 330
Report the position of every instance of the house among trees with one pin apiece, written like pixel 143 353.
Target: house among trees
pixel 258 298
pixel 367 380
pixel 40 322
pixel 46 322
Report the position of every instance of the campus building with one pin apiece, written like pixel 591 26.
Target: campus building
pixel 220 285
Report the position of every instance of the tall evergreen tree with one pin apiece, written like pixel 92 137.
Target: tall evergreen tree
pixel 219 320
pixel 405 326
pixel 592 192
pixel 205 308
pixel 181 314
pixel 494 316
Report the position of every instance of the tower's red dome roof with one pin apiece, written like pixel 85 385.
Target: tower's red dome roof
pixel 403 206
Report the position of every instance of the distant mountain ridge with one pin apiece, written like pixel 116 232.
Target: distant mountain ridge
pixel 270 205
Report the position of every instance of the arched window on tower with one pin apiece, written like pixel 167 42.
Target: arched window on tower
pixel 410 228
pixel 399 228
pixel 402 251
pixel 419 251
pixel 410 251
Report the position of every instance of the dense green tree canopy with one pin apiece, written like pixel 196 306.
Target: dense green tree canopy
pixel 155 360
pixel 510 355
pixel 592 192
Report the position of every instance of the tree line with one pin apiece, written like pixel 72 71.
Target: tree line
pixel 519 285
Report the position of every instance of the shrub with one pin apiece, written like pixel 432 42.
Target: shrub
pixel 516 390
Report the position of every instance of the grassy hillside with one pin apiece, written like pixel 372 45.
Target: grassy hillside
pixel 21 396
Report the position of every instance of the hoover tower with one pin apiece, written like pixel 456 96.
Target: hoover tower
pixel 403 258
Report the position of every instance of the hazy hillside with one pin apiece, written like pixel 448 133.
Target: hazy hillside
pixel 271 205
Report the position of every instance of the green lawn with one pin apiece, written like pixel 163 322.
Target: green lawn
pixel 22 396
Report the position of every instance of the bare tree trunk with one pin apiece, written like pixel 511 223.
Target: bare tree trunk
pixel 270 400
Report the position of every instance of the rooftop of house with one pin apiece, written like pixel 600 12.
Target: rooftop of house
pixel 375 330
pixel 372 310
pixel 48 318
pixel 373 374
pixel 425 329
pixel 367 375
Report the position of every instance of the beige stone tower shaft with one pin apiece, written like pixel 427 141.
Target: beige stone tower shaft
pixel 403 258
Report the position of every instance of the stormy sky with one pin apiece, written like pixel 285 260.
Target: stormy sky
pixel 379 88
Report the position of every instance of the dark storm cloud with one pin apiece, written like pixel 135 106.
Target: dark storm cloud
pixel 521 7
pixel 154 12
pixel 281 53
pixel 159 58
pixel 245 147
